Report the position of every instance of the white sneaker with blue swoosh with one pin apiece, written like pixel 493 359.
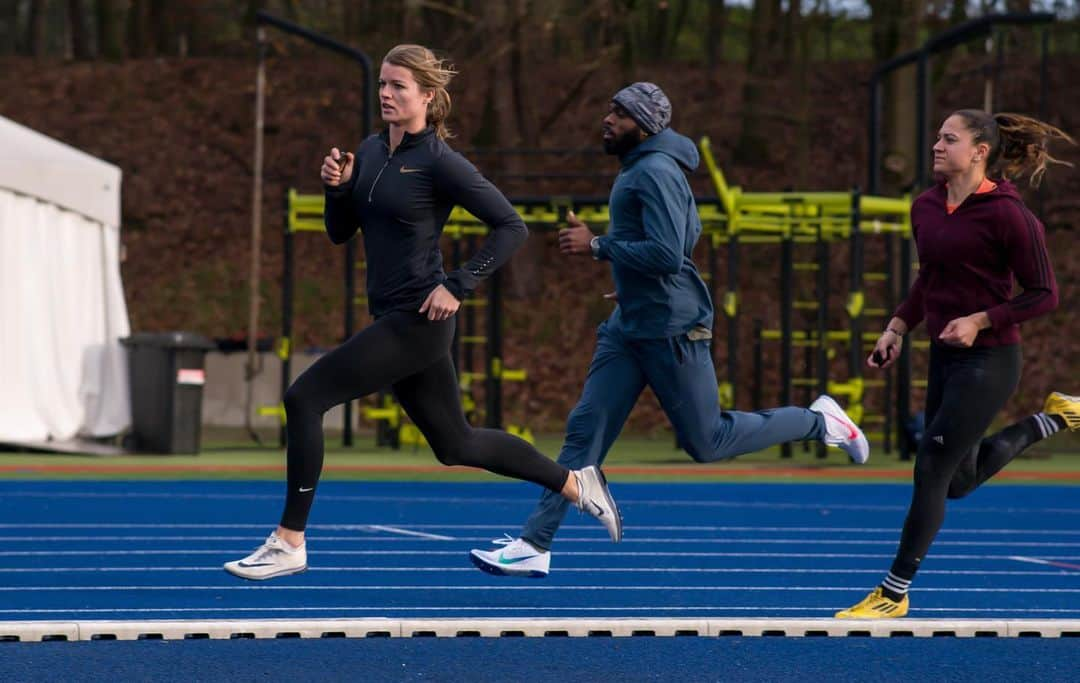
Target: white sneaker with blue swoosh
pixel 517 557
pixel 273 558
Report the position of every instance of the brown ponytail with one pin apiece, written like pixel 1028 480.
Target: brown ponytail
pixel 433 75
pixel 1018 143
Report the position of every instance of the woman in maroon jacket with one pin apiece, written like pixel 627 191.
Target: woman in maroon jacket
pixel 974 236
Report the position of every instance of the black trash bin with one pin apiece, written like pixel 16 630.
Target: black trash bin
pixel 166 379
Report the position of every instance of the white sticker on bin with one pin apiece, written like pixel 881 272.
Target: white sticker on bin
pixel 190 376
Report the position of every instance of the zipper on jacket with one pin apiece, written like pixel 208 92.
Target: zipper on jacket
pixel 389 156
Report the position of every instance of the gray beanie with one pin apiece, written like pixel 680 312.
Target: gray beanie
pixel 647 105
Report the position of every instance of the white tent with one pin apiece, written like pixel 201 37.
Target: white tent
pixel 63 372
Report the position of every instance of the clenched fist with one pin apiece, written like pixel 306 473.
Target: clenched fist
pixel 337 167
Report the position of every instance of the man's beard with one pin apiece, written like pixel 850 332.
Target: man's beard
pixel 621 144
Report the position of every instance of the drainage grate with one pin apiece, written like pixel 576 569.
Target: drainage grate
pixel 39 631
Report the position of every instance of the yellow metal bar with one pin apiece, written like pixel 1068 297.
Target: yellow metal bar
pixel 870 205
pixel 855 303
pixel 719 182
pixel 731 304
pixel 277 411
pixel 727 394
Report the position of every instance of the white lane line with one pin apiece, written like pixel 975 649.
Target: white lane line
pixel 515 588
pixel 627 540
pixel 562 570
pixel 526 501
pixel 407 532
pixel 406 528
pixel 1050 563
pixel 763 529
pixel 461 553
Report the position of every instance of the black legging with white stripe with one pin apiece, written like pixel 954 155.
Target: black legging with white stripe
pixel 966 389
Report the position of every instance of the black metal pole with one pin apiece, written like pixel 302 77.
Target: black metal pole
pixel 922 105
pixel 890 306
pixel 755 398
pixel 493 385
pixel 469 360
pixel 287 286
pixel 822 315
pixel 873 149
pixel 367 115
pixel 856 284
pixel 1044 75
pixel 786 304
pixel 733 317
pixel 903 380
pixel 350 311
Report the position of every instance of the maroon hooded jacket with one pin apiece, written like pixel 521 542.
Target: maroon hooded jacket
pixel 968 259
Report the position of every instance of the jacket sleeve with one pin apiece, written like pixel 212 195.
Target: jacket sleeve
pixel 664 195
pixel 912 309
pixel 461 183
pixel 1024 241
pixel 338 214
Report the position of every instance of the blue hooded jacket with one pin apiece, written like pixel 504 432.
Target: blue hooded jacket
pixel 654 226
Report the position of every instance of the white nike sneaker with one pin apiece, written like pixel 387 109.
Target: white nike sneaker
pixel 517 558
pixel 596 500
pixel 841 431
pixel 271 559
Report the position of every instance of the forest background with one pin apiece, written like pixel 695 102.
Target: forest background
pixel 165 90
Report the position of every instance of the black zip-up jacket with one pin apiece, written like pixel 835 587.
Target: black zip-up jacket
pixel 400 202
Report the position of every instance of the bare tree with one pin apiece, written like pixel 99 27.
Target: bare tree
pixel 35 28
pixel 165 20
pixel 9 27
pixel 523 109
pixel 715 26
pixel 111 16
pixel 80 38
pixel 895 28
pixel 799 79
pixel 752 143
pixel 140 29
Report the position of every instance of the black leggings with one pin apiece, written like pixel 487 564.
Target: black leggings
pixel 966 388
pixel 408 352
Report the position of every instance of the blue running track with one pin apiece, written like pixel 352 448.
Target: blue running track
pixel 153 550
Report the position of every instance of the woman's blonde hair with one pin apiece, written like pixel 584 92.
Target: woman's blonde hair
pixel 1018 143
pixel 433 75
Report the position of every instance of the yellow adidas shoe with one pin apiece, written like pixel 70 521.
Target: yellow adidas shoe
pixel 875 606
pixel 1068 407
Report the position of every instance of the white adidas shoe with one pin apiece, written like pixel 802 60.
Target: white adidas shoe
pixel 273 558
pixel 840 431
pixel 596 500
pixel 516 558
